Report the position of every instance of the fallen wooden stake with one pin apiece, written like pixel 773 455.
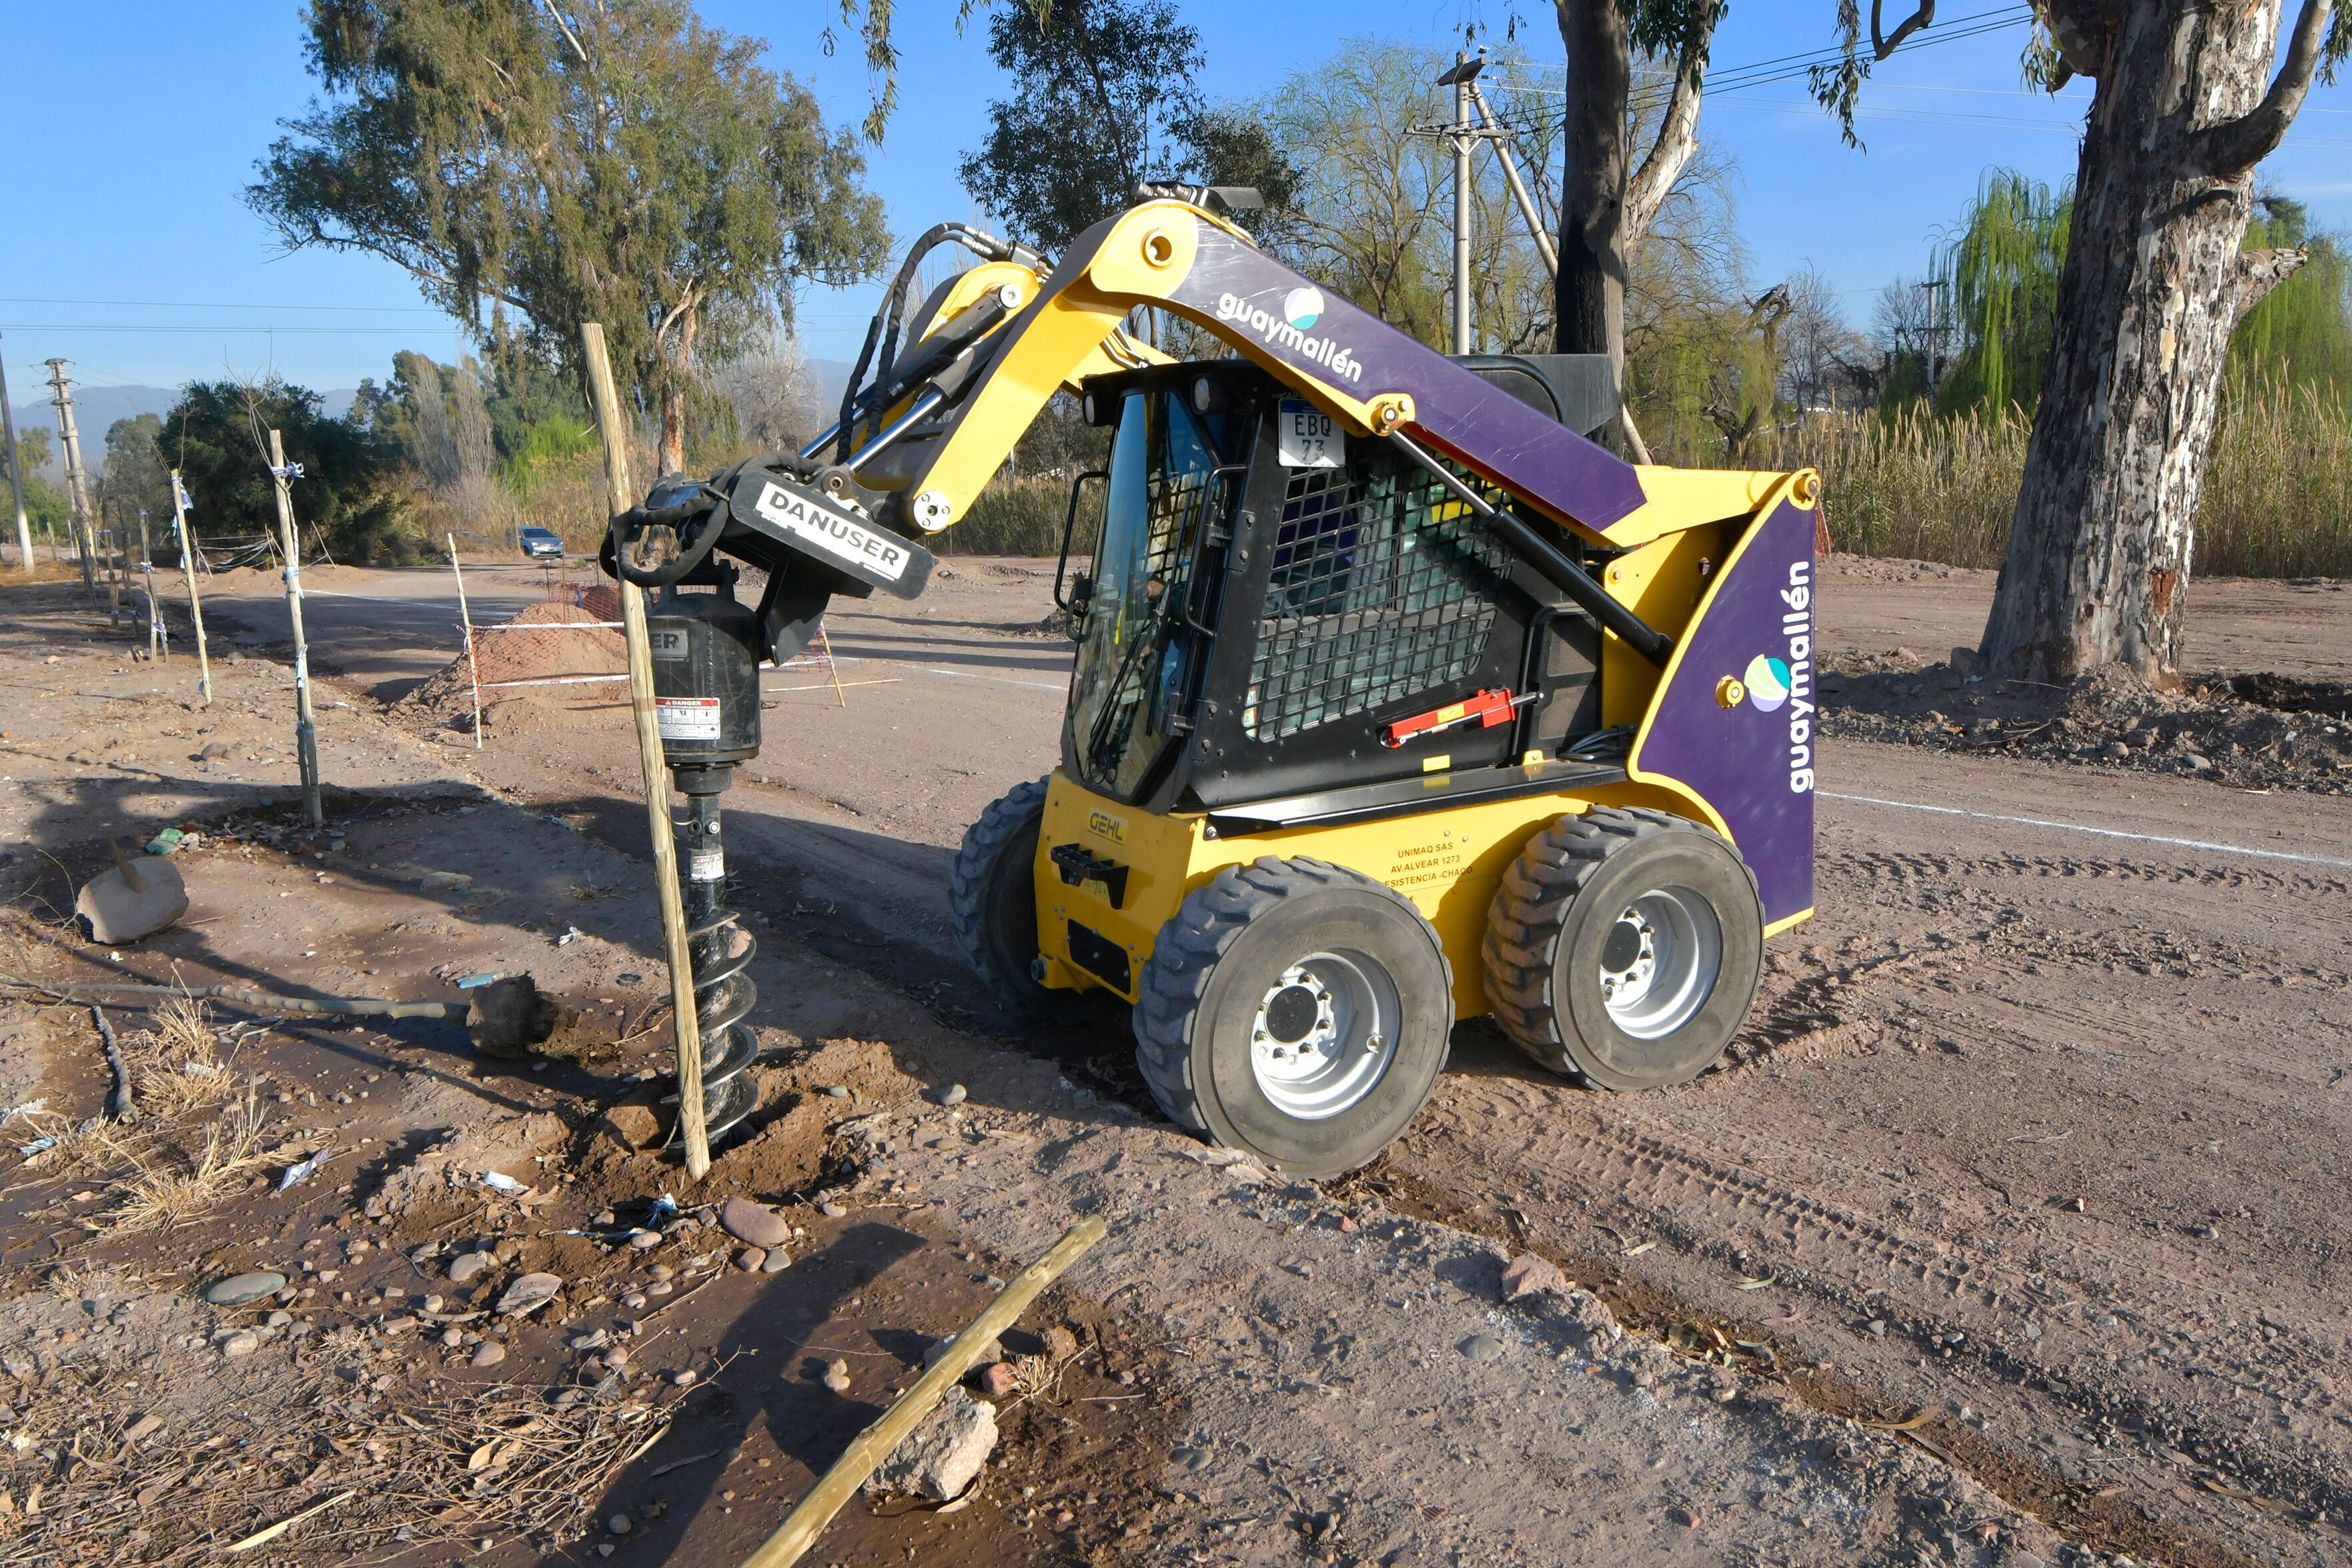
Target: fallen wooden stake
pixel 877 1443
pixel 365 1006
pixel 263 1537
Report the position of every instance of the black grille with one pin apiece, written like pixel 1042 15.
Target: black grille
pixel 1382 585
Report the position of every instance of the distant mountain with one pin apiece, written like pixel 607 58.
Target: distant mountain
pixel 97 408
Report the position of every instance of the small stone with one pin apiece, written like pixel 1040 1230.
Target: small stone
pixel 683 1377
pixel 1685 1517
pixel 836 1376
pixel 1530 1275
pixel 776 1261
pixel 465 1265
pixel 433 1303
pixel 999 1380
pixel 750 1258
pixel 453 1336
pixel 836 1091
pixel 2114 751
pixel 244 1342
pixel 619 1524
pixel 644 1240
pixel 618 1355
pixel 242 1289
pixel 1061 1343
pixel 660 1273
pixel 832 1210
pixel 2205 1232
pixel 490 1352
pixel 596 1339
pixel 1483 1347
pixel 1878 1327
pixel 753 1224
pixel 2195 763
pixel 277 1319
pixel 635 1301
pixel 531 1291
pixel 953 1094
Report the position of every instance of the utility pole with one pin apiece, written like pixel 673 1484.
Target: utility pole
pixel 16 479
pixel 1492 125
pixel 1935 288
pixel 306 735
pixel 70 443
pixel 1462 134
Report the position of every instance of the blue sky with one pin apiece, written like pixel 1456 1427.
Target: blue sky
pixel 129 252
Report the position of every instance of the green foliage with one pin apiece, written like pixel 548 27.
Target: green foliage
pixel 621 163
pixel 137 476
pixel 218 435
pixel 2001 274
pixel 1103 95
pixel 2300 334
pixel 45 507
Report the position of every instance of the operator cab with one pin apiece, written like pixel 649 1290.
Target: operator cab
pixel 1277 610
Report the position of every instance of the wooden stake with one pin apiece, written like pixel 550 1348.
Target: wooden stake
pixel 159 637
pixel 833 668
pixel 877 1443
pixel 306 734
pixel 196 606
pixel 618 499
pixel 473 669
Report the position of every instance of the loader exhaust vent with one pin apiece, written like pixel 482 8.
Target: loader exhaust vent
pixel 1382 585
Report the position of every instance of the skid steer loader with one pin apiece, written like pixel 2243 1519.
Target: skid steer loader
pixel 1397 700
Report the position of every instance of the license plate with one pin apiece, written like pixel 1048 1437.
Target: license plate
pixel 1310 437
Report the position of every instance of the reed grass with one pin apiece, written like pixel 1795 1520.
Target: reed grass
pixel 2277 498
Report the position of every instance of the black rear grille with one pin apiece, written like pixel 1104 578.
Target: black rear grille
pixel 1382 585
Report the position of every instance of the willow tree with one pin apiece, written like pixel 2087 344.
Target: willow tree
pixel 2001 273
pixel 618 162
pixel 2187 96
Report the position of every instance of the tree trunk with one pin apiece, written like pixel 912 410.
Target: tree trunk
pixel 2153 283
pixel 1592 284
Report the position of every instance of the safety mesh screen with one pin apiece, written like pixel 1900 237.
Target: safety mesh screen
pixel 1383 584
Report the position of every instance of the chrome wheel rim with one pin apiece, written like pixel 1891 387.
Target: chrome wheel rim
pixel 1660 961
pixel 1324 1034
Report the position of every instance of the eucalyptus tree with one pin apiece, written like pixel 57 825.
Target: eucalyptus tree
pixel 2185 102
pixel 535 167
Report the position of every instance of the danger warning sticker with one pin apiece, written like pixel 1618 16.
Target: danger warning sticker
pixel 687 718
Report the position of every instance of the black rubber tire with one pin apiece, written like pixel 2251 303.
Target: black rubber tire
pixel 994 898
pixel 1554 911
pixel 1212 967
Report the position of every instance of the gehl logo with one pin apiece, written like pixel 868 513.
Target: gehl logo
pixel 1102 824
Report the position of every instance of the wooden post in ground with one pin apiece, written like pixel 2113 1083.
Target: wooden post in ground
pixel 466 616
pixel 833 667
pixel 159 637
pixel 306 734
pixel 619 495
pixel 877 1443
pixel 188 571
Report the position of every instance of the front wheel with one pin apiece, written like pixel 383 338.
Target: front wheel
pixel 1297 1011
pixel 1624 948
pixel 993 895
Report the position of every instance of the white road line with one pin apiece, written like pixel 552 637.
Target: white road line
pixel 2100 832
pixel 959 674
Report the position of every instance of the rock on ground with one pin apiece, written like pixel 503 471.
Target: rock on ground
pixel 942 1456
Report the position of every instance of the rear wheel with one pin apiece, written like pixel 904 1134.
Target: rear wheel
pixel 993 897
pixel 1298 1011
pixel 1623 948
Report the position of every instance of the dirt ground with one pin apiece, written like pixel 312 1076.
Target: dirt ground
pixel 2010 1233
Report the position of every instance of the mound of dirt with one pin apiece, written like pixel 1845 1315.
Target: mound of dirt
pixel 560 637
pixel 2258 731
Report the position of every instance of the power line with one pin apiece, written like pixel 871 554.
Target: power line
pixel 209 304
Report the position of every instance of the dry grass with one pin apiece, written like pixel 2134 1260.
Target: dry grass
pixel 168 1180
pixel 2277 500
pixel 179 1068
pixel 435 1472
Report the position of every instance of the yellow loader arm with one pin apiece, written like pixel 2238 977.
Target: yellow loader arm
pixel 941 442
